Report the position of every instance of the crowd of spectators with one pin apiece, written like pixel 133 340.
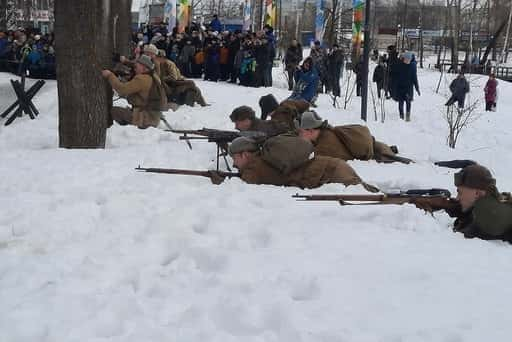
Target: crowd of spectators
pixel 27 52
pixel 243 58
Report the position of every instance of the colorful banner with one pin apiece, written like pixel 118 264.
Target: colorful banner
pixel 247 15
pixel 319 20
pixel 357 29
pixel 170 14
pixel 270 13
pixel 183 15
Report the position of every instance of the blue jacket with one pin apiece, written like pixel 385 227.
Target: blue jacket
pixel 306 84
pixel 216 25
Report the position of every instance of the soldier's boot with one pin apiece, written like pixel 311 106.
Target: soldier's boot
pixel 408 116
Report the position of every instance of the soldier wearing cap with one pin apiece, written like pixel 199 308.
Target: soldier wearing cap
pixel 344 142
pixel 144 92
pixel 245 119
pixel 177 88
pixel 483 212
pixel 312 174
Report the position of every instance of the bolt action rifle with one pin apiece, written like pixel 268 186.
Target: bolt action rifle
pixel 219 137
pixel 215 176
pixel 430 200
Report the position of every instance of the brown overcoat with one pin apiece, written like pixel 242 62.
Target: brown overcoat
pixel 329 145
pixel 313 174
pixel 270 128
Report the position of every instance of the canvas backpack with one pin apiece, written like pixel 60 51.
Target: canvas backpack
pixel 157 98
pixel 287 152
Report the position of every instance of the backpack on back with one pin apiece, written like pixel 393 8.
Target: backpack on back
pixel 157 98
pixel 287 152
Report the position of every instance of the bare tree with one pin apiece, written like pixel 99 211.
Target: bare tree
pixel 458 119
pixel 84 98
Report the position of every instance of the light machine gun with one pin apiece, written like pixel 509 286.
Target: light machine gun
pixel 219 137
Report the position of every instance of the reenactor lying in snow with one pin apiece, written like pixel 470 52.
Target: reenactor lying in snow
pixel 245 119
pixel 345 142
pixel 285 112
pixel 179 90
pixel 288 160
pixel 484 212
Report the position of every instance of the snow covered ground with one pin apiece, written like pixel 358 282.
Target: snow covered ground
pixel 91 250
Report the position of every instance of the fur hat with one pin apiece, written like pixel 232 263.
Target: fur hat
pixel 475 177
pixel 310 120
pixel 146 61
pixel 268 104
pixel 151 48
pixel 242 144
pixel 242 113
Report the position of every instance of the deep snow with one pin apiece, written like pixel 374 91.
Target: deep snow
pixel 91 250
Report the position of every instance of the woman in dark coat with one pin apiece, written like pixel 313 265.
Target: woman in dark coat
pixel 404 79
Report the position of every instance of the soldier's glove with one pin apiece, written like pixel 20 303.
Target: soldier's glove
pixel 215 177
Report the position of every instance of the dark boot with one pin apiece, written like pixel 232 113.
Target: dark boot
pixel 408 116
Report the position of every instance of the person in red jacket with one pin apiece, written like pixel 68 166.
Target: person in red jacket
pixel 491 93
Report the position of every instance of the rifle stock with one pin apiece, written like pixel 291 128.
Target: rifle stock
pixel 430 200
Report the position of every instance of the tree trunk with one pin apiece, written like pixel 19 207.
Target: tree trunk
pixel 121 25
pixel 84 48
pixel 3 14
pixel 492 43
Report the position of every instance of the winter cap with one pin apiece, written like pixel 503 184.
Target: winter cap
pixel 242 144
pixel 407 55
pixel 242 113
pixel 475 177
pixel 146 61
pixel 215 33
pixel 310 120
pixel 268 104
pixel 158 34
pixel 151 48
pixel 37 37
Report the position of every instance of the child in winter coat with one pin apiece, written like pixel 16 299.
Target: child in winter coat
pixel 491 93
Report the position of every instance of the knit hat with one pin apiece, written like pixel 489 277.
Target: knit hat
pixel 242 113
pixel 407 55
pixel 242 144
pixel 310 120
pixel 151 48
pixel 146 61
pixel 475 177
